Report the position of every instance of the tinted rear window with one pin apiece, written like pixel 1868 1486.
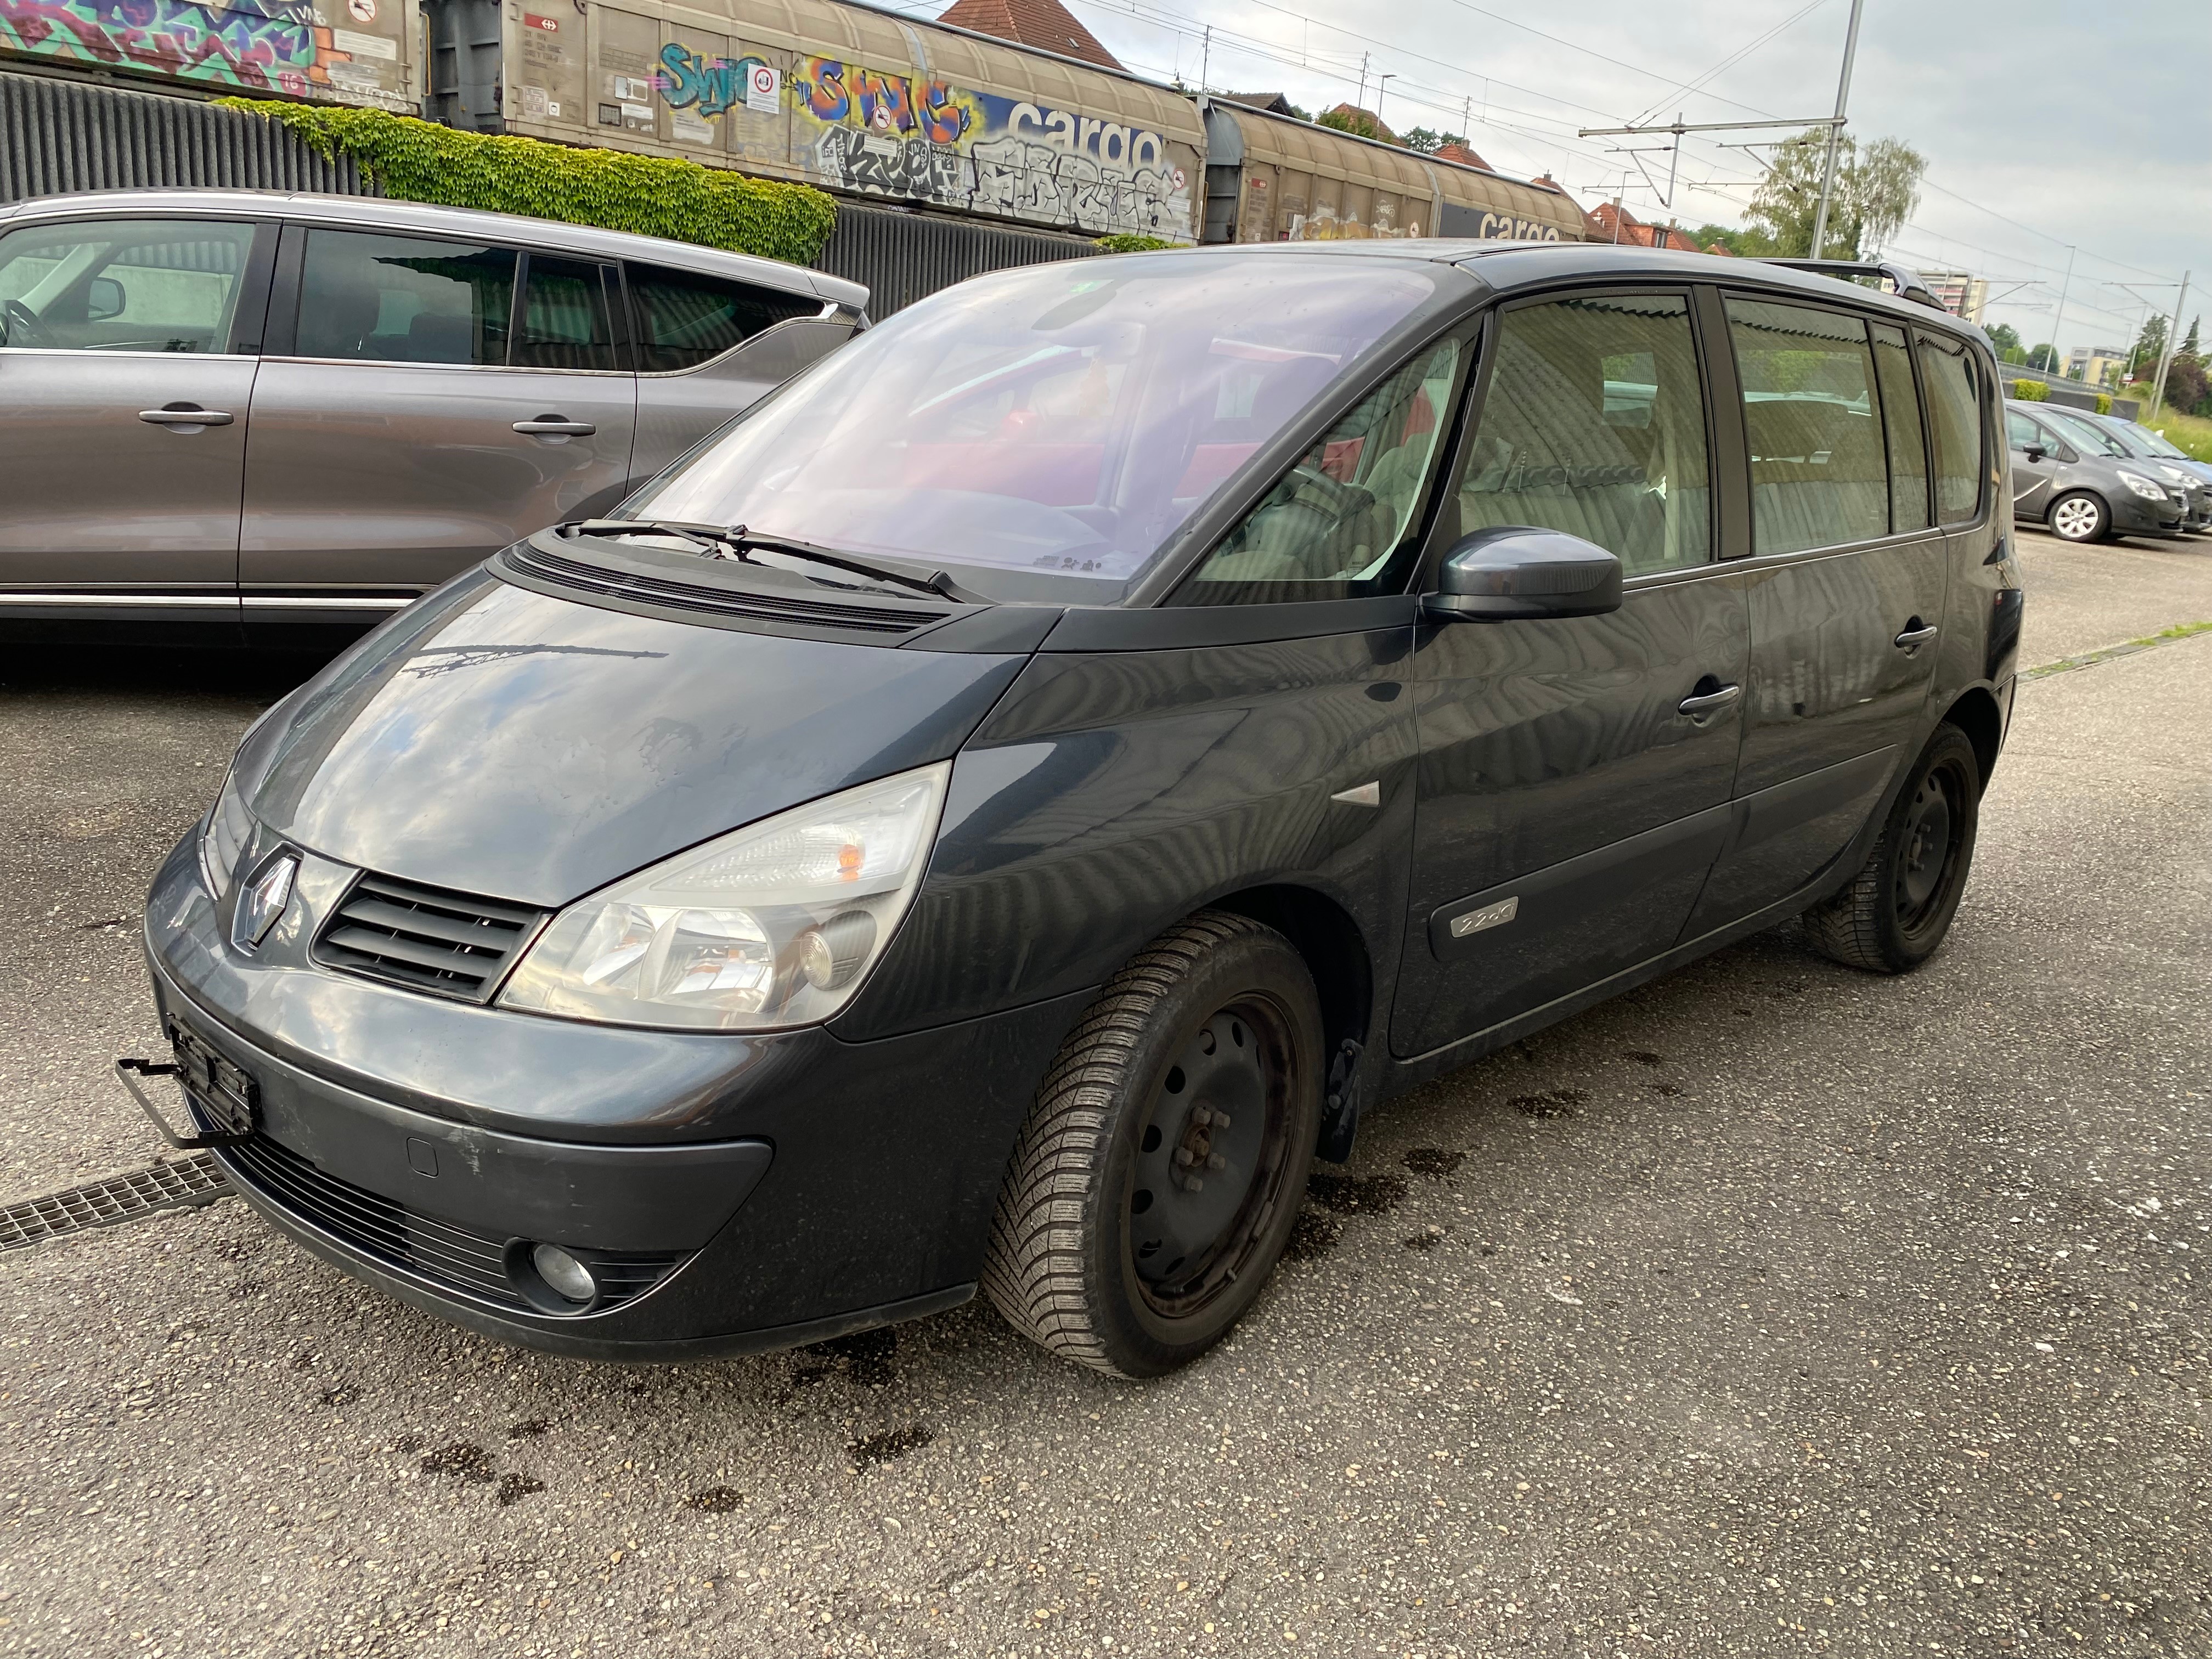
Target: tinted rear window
pixel 684 319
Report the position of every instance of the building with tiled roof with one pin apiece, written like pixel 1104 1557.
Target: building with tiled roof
pixel 1043 25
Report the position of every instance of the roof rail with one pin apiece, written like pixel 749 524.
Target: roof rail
pixel 1905 284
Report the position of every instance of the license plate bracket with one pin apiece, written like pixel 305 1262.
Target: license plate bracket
pixel 224 1094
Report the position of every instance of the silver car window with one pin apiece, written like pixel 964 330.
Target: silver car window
pixel 166 285
pixel 1061 421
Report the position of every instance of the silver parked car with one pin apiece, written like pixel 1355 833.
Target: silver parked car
pixel 2121 437
pixel 2083 494
pixel 239 406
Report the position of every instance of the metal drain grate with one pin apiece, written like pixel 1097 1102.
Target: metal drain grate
pixel 188 1181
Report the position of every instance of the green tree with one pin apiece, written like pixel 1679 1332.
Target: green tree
pixel 1359 123
pixel 1428 142
pixel 2044 357
pixel 1748 244
pixel 2006 338
pixel 2149 346
pixel 1876 189
pixel 2189 340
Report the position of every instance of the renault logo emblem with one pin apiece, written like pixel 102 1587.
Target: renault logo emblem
pixel 262 902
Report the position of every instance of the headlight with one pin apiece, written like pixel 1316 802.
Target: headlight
pixel 2146 488
pixel 223 836
pixel 773 925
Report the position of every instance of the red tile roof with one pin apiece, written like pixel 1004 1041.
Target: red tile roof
pixel 1044 24
pixel 1464 156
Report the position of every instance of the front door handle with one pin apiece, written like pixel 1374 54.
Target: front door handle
pixel 1701 706
pixel 1916 634
pixel 552 426
pixel 186 414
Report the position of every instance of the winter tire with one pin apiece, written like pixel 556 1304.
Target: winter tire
pixel 1896 910
pixel 1157 1174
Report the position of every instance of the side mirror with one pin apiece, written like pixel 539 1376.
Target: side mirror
pixel 104 299
pixel 1513 571
pixel 2035 452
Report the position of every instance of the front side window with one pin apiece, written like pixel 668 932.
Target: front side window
pixel 2088 434
pixel 2021 433
pixel 403 299
pixel 1338 525
pixel 1954 420
pixel 1905 432
pixel 168 285
pixel 1595 424
pixel 684 318
pixel 1045 431
pixel 1819 475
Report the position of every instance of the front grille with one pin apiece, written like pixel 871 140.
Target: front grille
pixel 424 938
pixel 471 1262
pixel 691 597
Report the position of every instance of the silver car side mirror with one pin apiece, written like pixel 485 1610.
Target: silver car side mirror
pixel 1509 572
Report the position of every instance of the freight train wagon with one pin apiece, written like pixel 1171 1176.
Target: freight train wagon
pixel 860 101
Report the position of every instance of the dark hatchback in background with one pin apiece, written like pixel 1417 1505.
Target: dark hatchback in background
pixel 998 812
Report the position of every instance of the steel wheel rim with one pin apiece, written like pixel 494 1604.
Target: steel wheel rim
pixel 1934 829
pixel 2076 519
pixel 1185 1248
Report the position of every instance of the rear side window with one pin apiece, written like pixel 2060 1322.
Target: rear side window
pixel 123 285
pixel 1954 420
pixel 1906 432
pixel 684 319
pixel 1819 476
pixel 403 299
pixel 564 316
pixel 1595 424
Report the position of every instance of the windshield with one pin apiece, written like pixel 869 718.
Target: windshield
pixel 1046 426
pixel 2157 442
pixel 2087 434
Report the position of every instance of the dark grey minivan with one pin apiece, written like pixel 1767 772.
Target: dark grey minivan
pixel 290 413
pixel 999 810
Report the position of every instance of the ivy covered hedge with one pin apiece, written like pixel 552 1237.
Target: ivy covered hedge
pixel 413 160
pixel 2030 391
pixel 2103 403
pixel 1128 242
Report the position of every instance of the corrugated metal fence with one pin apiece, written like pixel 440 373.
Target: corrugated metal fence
pixel 58 136
pixel 901 257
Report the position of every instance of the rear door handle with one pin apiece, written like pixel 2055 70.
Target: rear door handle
pixel 1913 638
pixel 1701 706
pixel 175 416
pixel 546 426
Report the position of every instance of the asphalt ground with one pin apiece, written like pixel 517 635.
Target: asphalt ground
pixel 1773 1308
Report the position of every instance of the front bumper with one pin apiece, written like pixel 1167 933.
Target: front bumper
pixel 742 1192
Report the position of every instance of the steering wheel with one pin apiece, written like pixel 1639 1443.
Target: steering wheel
pixel 1341 498
pixel 22 325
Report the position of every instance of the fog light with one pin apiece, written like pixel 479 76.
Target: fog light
pixel 563 1272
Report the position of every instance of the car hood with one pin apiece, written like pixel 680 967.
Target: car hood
pixel 503 743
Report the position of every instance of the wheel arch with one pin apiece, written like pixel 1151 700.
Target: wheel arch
pixel 1329 938
pixel 1975 712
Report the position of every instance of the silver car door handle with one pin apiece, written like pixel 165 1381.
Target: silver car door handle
pixel 1913 638
pixel 1698 706
pixel 187 416
pixel 549 425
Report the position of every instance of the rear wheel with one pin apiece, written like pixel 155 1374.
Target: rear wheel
pixel 1157 1177
pixel 1899 907
pixel 2080 516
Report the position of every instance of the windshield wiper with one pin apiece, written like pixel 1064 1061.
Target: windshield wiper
pixel 735 541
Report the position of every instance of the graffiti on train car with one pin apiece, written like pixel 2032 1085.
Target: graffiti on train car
pixel 260 45
pixel 885 134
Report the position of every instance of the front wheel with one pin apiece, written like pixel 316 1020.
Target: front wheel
pixel 1157 1177
pixel 2080 516
pixel 1897 909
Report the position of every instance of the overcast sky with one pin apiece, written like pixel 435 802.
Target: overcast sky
pixel 2024 156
